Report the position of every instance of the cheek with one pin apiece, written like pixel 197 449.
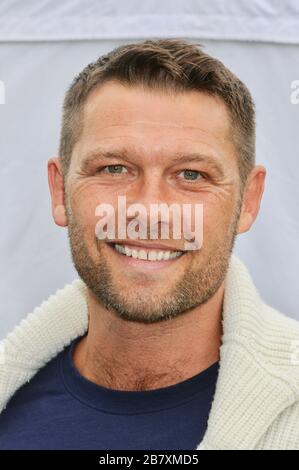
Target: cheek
pixel 86 197
pixel 217 218
pixel 84 201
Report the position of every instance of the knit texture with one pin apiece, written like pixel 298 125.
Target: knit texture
pixel 256 402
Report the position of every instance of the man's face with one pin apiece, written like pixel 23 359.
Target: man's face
pixel 146 134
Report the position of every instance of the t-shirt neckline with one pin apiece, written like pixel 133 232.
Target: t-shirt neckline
pixel 132 402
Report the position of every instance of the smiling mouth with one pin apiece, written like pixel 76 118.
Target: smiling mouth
pixel 146 254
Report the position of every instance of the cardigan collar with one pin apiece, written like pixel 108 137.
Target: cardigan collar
pixel 250 391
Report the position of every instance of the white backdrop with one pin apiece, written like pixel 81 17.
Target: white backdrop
pixel 44 44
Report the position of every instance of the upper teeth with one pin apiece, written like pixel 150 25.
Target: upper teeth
pixel 149 255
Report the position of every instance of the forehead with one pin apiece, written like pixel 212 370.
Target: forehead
pixel 155 123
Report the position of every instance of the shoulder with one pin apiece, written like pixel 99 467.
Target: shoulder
pixel 270 337
pixel 283 434
pixel 41 336
pixel 44 383
pixel 275 338
pixel 276 341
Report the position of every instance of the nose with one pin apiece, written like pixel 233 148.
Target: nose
pixel 151 189
pixel 152 197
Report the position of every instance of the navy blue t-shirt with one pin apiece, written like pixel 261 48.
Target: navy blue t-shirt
pixel 60 409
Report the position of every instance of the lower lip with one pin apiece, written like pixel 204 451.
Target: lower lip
pixel 144 264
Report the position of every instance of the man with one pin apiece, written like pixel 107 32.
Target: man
pixel 157 346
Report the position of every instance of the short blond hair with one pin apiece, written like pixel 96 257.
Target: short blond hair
pixel 170 65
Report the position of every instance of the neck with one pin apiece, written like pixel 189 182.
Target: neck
pixel 125 355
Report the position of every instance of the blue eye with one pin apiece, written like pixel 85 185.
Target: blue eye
pixel 114 169
pixel 191 175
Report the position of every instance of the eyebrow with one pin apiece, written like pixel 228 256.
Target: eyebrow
pixel 202 158
pixel 96 155
pixel 123 154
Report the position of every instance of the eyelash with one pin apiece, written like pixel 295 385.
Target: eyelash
pixel 110 166
pixel 203 175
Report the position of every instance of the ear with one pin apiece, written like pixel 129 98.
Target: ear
pixel 56 185
pixel 252 196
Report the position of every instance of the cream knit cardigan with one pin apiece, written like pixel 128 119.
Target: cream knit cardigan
pixel 256 402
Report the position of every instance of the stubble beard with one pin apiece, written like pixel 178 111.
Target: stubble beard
pixel 196 286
